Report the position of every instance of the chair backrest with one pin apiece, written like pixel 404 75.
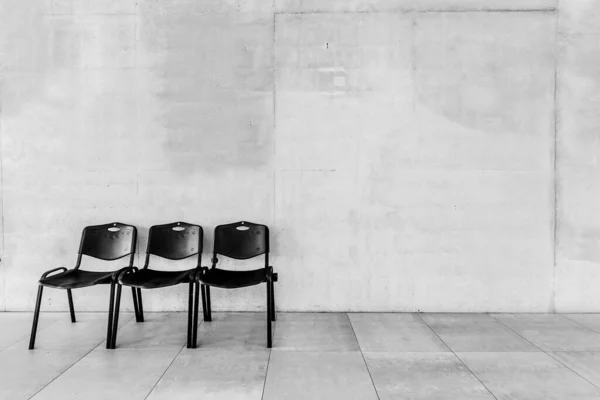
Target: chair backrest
pixel 174 241
pixel 241 240
pixel 108 242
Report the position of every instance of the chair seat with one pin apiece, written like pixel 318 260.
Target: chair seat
pixel 233 279
pixel 77 278
pixel 152 279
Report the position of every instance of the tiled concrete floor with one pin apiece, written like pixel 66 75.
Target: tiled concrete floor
pixel 315 356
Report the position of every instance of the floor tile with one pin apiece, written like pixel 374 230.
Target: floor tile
pixel 24 372
pixel 17 325
pixel 591 321
pixel 394 332
pixel 111 374
pixel 88 332
pixel 214 375
pixel 552 332
pixel 159 331
pixel 242 331
pixel 476 332
pixel 423 376
pixel 315 332
pixel 295 375
pixel 583 363
pixel 528 376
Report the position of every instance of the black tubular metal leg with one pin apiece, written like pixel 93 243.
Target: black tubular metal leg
pixel 110 316
pixel 190 316
pixel 203 302
pixel 36 316
pixel 269 316
pixel 135 304
pixel 140 304
pixel 208 308
pixel 116 317
pixel 272 301
pixel 196 306
pixel 71 308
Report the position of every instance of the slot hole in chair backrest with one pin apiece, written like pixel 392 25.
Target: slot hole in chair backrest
pixel 241 240
pixel 108 242
pixel 175 241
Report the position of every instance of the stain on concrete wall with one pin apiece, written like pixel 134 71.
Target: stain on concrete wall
pixel 212 73
pixel 481 70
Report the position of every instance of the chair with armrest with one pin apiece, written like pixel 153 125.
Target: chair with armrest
pixel 107 242
pixel 175 241
pixel 240 241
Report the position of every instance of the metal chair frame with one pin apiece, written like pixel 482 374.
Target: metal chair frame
pixel 241 241
pixel 175 242
pixel 103 242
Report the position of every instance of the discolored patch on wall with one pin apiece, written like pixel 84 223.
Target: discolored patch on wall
pixel 33 46
pixel 492 72
pixel 212 78
pixel 578 102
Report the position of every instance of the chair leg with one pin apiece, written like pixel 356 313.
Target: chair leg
pixel 135 304
pixel 71 308
pixel 204 312
pixel 116 317
pixel 195 325
pixel 208 307
pixel 140 305
pixel 269 316
pixel 110 316
pixel 273 301
pixel 36 315
pixel 190 316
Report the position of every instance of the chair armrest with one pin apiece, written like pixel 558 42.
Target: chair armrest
pixel 117 275
pixel 272 276
pixel 197 273
pixel 45 274
pixel 194 274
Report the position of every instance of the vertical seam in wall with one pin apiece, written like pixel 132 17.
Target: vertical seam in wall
pixel 555 160
pixel 2 264
pixel 414 61
pixel 137 118
pixel 414 109
pixel 273 58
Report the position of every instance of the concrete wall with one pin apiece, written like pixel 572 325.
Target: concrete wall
pixel 578 153
pixel 405 153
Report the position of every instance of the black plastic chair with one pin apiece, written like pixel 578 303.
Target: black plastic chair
pixel 175 241
pixel 105 242
pixel 241 241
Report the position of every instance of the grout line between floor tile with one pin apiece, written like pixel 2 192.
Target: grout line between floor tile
pixel 547 353
pixel 21 338
pixel 266 374
pixel 165 371
pixel 76 362
pixel 572 370
pixel 518 334
pixel 270 352
pixel 169 366
pixel 363 356
pixel 457 357
pixel 579 323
